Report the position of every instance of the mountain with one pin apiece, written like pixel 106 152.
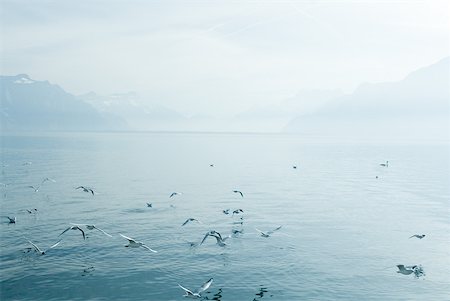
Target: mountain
pixel 274 117
pixel 139 116
pixel 27 104
pixel 417 106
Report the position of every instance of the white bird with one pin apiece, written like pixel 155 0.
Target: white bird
pixel 418 236
pixel 35 188
pixel 237 191
pixel 174 194
pixel 39 250
pixel 11 220
pixel 74 228
pixel 27 163
pixel 217 236
pixel 92 227
pixel 196 294
pixel 136 244
pixel 385 164
pixel 405 270
pixel 86 189
pixel 191 220
pixel 268 233
pixel 47 180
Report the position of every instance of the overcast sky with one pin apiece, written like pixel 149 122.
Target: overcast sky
pixel 220 57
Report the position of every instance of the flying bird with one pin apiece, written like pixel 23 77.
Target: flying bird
pixel 268 233
pixel 294 167
pixel 237 191
pixel 191 220
pixel 217 236
pixel 196 294
pixel 92 227
pixel 227 211
pixel 74 228
pixel 40 251
pixel 86 189
pixel 11 220
pixel 211 165
pixel 418 236
pixel 237 211
pixel 35 188
pixel 385 164
pixel 405 270
pixel 149 205
pixel 174 194
pixel 31 211
pixel 136 244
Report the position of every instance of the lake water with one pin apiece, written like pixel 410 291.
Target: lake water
pixel 343 229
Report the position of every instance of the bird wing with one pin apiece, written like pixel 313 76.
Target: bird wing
pixel 150 249
pixel 57 243
pixel 173 193
pixel 65 231
pixel 260 231
pixel 82 187
pixel 126 237
pixel 204 238
pixel 187 221
pixel 91 191
pixel 188 291
pixel 205 286
pixel 276 229
pixel 36 247
pixel 401 267
pixel 82 232
pixel 103 231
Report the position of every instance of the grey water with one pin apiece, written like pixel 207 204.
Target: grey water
pixel 346 220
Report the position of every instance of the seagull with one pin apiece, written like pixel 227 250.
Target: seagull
pixel 237 191
pixel 405 270
pixel 217 236
pixel 190 220
pixel 136 244
pixel 43 252
pixel 11 220
pixel 86 189
pixel 74 228
pixel 294 167
pixel 191 294
pixel 418 236
pixel 174 194
pixel 92 227
pixel 149 205
pixel 31 211
pixel 385 164
pixel 35 188
pixel 211 165
pixel 268 233
pixel 227 211
pixel 237 211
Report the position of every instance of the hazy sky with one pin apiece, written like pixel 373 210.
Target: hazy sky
pixel 220 57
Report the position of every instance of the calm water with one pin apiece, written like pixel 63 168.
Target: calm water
pixel 344 230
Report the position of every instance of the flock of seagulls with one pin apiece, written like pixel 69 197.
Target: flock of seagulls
pixel 220 239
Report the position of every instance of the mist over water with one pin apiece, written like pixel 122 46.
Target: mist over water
pixel 345 219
